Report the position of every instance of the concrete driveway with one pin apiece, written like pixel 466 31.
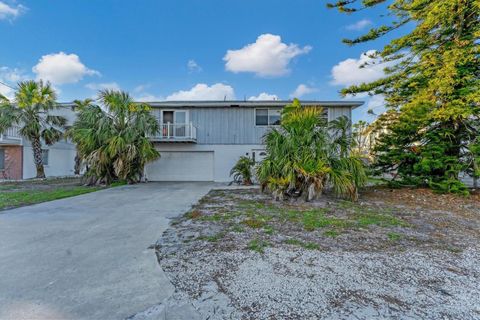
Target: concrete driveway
pixel 87 257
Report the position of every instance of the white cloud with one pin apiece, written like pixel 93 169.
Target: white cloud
pixel 10 12
pixel 10 77
pixel 359 25
pixel 302 90
pixel 103 86
pixel 60 68
pixel 193 66
pixel 264 96
pixel 201 91
pixel 267 57
pixel 348 72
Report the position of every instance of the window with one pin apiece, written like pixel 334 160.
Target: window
pixel 261 117
pixel 274 117
pixel 45 157
pixel 2 159
pixel 267 117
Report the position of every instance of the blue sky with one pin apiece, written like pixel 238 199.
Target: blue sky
pixel 186 49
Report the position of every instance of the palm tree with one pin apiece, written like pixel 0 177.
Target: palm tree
pixel 242 170
pixel 32 110
pixel 113 139
pixel 303 158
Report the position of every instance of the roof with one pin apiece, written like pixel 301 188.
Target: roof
pixel 247 104
pixel 252 104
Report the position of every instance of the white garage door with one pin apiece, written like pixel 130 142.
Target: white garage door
pixel 181 166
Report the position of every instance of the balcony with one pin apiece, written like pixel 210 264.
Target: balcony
pixel 11 136
pixel 173 132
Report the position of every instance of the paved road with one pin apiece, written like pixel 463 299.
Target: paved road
pixel 87 257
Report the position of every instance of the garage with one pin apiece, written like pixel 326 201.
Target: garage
pixel 182 166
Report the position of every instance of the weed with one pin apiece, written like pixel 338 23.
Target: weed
pixel 393 236
pixel 305 245
pixel 331 233
pixel 268 229
pixel 254 223
pixel 258 245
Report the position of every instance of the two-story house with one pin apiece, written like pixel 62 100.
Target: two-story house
pixel 202 140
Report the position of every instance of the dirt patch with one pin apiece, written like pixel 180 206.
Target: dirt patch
pixel 396 253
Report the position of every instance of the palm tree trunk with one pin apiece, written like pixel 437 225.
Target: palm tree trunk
pixel 37 157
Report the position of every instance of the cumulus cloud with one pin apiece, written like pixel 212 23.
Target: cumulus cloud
pixel 10 12
pixel 201 91
pixel 193 66
pixel 302 90
pixel 267 57
pixel 349 72
pixel 359 25
pixel 10 77
pixel 61 68
pixel 264 96
pixel 103 86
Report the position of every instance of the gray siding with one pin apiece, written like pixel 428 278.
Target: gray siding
pixel 234 125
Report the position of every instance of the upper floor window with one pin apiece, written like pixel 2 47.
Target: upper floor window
pixel 267 117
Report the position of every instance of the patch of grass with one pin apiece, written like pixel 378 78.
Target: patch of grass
pixel 258 245
pixel 314 219
pixel 393 236
pixel 214 217
pixel 379 219
pixel 213 238
pixel 237 228
pixel 118 183
pixel 305 245
pixel 331 233
pixel 194 214
pixel 254 223
pixel 268 229
pixel 23 198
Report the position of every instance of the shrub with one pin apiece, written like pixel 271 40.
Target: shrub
pixel 242 171
pixel 305 155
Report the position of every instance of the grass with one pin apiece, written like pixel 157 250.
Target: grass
pixel 258 245
pixel 393 236
pixel 331 233
pixel 305 245
pixel 23 198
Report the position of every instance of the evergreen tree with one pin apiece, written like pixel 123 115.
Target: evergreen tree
pixel 431 85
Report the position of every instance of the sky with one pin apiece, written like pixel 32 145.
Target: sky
pixel 189 49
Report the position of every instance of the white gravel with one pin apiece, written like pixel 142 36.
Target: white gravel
pixel 300 284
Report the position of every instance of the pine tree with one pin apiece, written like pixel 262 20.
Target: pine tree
pixel 431 84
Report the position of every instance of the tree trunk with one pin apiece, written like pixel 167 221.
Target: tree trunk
pixel 37 157
pixel 78 164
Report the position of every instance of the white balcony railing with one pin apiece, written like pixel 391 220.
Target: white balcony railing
pixel 12 134
pixel 175 132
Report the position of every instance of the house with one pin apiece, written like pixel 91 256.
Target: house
pixel 16 155
pixel 202 140
pixel 198 140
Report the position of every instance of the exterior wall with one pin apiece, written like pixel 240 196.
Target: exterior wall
pixel 61 160
pixel 234 125
pixel 13 163
pixel 225 155
pixel 337 112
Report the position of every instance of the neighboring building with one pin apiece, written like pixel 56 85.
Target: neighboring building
pixel 201 141
pixel 16 155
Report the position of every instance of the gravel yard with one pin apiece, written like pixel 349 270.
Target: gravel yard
pixel 395 254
